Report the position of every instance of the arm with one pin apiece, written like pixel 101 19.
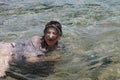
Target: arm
pixel 42 58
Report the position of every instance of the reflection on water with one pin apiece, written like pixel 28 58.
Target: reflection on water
pixel 91 34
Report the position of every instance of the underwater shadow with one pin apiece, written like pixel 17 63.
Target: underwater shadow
pixel 24 70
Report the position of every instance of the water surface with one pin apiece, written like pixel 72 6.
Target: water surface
pixel 91 34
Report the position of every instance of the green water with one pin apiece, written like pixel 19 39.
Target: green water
pixel 91 34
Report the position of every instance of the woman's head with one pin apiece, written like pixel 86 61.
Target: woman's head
pixel 52 32
pixel 54 24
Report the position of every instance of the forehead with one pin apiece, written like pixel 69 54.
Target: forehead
pixel 53 29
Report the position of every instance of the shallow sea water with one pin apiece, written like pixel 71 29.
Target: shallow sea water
pixel 91 33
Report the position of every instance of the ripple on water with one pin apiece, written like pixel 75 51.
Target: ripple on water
pixel 91 32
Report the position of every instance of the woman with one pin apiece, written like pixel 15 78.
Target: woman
pixel 34 50
pixel 40 45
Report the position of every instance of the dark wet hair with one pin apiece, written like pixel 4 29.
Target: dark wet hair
pixel 54 24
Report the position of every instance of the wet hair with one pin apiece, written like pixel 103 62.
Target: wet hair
pixel 54 24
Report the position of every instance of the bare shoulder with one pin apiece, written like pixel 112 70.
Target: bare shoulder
pixel 37 37
pixel 34 40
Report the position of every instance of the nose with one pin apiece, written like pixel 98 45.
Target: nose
pixel 51 35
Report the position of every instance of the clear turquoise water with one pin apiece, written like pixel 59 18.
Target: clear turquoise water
pixel 91 33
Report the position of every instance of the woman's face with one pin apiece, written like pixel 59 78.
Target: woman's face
pixel 51 34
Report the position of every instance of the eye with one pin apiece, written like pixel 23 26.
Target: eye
pixel 48 32
pixel 55 33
